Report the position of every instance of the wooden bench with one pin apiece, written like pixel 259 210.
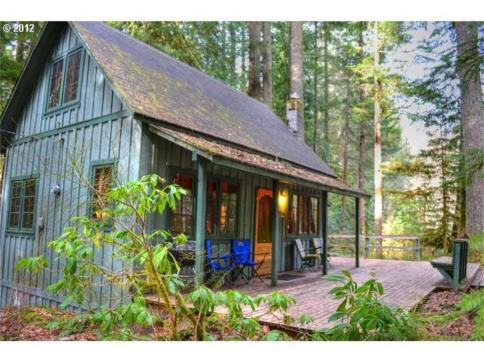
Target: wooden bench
pixel 454 269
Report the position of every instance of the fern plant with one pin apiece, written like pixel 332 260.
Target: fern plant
pixel 474 303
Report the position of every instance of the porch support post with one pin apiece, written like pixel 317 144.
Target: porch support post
pixel 357 232
pixel 323 228
pixel 276 243
pixel 200 219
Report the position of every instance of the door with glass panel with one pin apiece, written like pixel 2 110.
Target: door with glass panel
pixel 263 229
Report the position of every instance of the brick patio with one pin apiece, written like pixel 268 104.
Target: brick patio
pixel 406 283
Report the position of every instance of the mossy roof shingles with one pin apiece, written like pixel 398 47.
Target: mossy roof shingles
pixel 157 86
pixel 239 155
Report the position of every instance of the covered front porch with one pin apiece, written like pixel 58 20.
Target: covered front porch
pixel 238 194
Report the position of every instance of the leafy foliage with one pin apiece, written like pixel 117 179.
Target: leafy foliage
pixel 362 315
pixel 474 302
pixel 147 267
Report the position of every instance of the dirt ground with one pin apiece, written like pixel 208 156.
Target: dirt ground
pixel 438 318
pixel 441 319
pixel 35 324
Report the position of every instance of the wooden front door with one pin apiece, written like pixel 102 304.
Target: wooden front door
pixel 263 229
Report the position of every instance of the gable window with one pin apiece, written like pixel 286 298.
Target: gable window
pixel 64 80
pixel 303 215
pixel 72 76
pixel 55 83
pixel 102 182
pixel 22 205
pixel 181 219
pixel 222 207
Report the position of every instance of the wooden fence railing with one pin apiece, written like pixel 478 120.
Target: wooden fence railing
pixel 416 247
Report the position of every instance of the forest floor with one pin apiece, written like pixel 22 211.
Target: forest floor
pixel 53 324
pixel 437 317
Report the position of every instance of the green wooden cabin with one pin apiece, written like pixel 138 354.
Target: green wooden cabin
pixel 93 101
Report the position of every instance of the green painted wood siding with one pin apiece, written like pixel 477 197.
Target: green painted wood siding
pixel 97 129
pixel 97 99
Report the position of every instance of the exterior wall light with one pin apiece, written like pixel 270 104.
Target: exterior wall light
pixel 55 189
pixel 282 201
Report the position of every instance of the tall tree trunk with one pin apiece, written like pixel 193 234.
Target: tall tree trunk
pixel 226 72
pixel 267 49
pixel 254 60
pixel 445 195
pixel 377 117
pixel 315 91
pixel 233 54
pixel 472 122
pixel 243 59
pixel 361 143
pixel 346 139
pixel 296 76
pixel 326 146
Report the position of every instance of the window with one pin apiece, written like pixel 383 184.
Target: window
pixel 72 76
pixel 303 215
pixel 211 208
pixel 181 219
pixel 64 80
pixel 313 227
pixel 228 208
pixel 222 206
pixel 55 83
pixel 292 222
pixel 102 182
pixel 22 205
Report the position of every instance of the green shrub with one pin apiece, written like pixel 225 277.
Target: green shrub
pixel 362 315
pixel 474 303
pixel 123 229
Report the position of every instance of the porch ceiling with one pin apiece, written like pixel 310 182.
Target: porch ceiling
pixel 223 153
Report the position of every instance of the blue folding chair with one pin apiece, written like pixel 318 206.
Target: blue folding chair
pixel 218 264
pixel 247 267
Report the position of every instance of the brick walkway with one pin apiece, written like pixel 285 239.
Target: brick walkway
pixel 406 283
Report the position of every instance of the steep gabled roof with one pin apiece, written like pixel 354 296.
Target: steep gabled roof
pixel 217 119
pixel 155 85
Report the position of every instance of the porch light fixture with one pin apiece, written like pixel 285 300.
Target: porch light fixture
pixel 282 200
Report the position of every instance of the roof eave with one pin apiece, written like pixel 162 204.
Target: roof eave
pixel 286 178
pixel 225 161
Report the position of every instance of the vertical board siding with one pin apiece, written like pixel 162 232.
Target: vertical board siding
pixel 70 139
pixel 96 97
pixel 50 159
